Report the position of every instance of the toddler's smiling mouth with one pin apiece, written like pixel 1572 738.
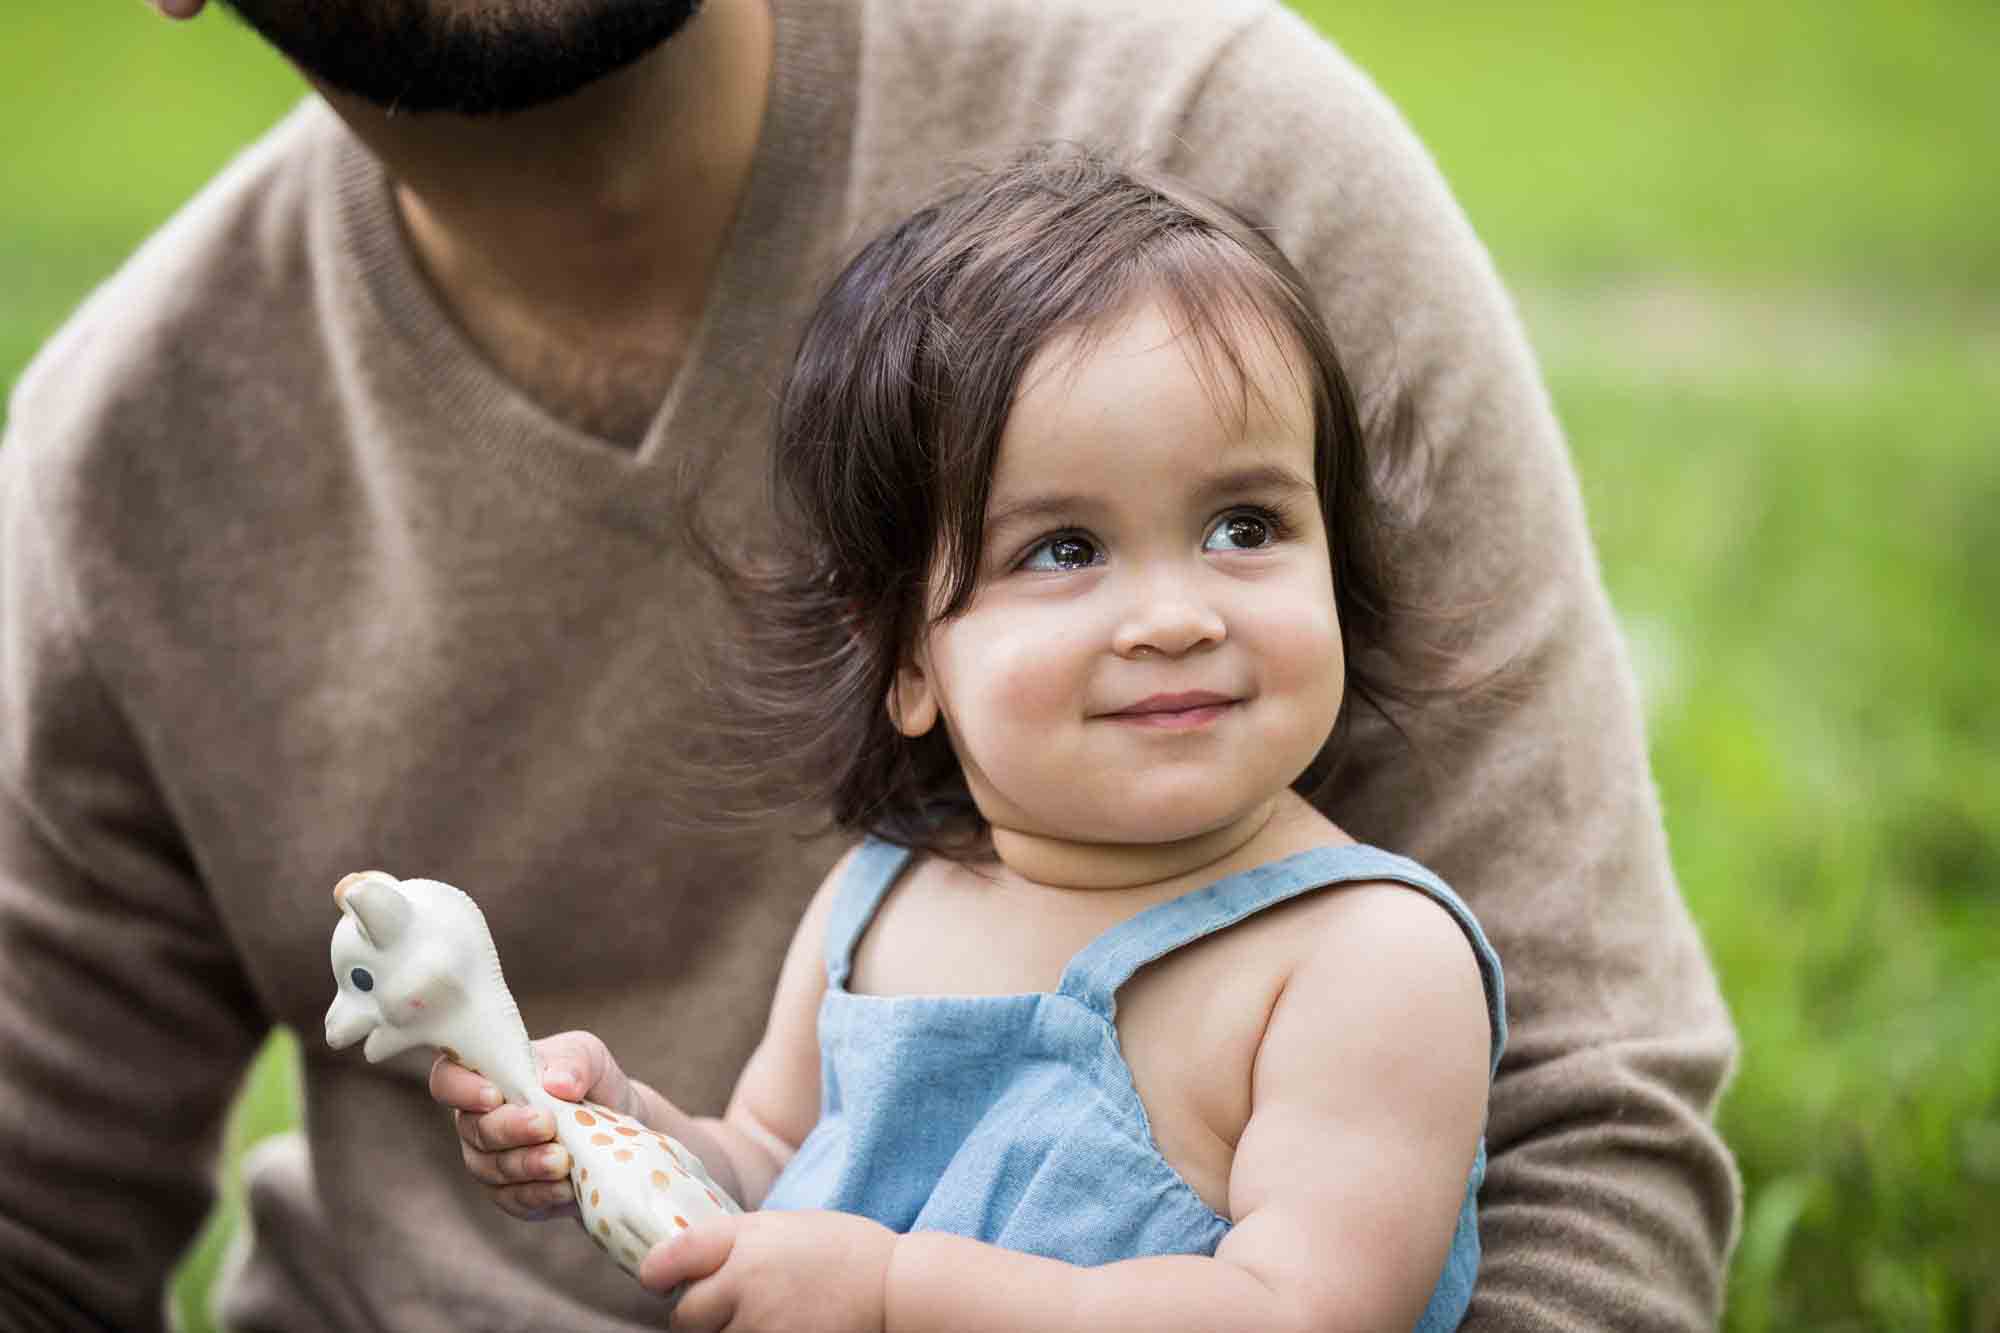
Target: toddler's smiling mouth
pixel 1174 712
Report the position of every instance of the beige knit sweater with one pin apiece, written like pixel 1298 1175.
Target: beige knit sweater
pixel 291 584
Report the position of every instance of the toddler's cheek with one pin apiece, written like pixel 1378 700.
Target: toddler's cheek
pixel 1302 651
pixel 1033 690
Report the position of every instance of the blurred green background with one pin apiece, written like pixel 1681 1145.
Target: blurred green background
pixel 1758 248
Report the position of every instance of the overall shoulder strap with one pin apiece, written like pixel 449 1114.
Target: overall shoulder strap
pixel 1110 960
pixel 863 885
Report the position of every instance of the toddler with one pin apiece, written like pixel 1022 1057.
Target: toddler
pixel 1101 1024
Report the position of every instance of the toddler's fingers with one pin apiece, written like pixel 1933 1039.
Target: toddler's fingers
pixel 577 1066
pixel 694 1254
pixel 461 1088
pixel 543 1163
pixel 508 1127
pixel 535 1203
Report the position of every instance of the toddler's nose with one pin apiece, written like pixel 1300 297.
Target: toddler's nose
pixel 1167 615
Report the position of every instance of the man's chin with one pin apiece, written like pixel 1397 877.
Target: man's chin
pixel 415 57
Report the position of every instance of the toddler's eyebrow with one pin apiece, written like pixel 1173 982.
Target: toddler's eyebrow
pixel 1262 479
pixel 1037 509
pixel 1259 479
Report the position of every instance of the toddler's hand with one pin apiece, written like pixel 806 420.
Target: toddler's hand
pixel 782 1272
pixel 512 1149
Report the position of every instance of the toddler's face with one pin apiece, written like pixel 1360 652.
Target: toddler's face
pixel 1152 651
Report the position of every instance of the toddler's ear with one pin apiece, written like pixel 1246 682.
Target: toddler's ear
pixel 912 703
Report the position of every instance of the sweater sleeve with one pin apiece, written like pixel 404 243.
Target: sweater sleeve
pixel 124 1025
pixel 1610 1200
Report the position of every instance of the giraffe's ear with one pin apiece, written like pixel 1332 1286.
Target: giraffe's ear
pixel 378 905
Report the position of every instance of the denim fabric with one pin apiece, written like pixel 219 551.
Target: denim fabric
pixel 1013 1118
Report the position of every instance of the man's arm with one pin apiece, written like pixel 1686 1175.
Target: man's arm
pixel 1610 1201
pixel 125 1024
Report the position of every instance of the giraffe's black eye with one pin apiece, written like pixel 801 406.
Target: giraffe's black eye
pixel 362 981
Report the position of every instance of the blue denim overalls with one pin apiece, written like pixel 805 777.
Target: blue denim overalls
pixel 1013 1119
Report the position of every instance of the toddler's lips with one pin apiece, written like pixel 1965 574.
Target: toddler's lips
pixel 1188 709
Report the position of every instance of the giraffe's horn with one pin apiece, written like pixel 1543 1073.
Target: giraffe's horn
pixel 379 905
pixel 349 881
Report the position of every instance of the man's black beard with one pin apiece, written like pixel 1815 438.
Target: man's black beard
pixel 404 56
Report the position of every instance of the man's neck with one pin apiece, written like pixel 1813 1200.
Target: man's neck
pixel 575 243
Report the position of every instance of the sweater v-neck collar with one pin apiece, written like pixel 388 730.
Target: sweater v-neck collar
pixel 791 208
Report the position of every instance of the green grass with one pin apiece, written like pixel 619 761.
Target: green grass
pixel 1755 247
pixel 1802 570
pixel 268 1104
pixel 114 117
pixel 1769 141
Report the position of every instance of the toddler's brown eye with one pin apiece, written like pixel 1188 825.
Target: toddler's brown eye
pixel 1071 552
pixel 1240 532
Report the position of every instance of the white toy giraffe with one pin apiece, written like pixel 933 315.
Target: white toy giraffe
pixel 416 966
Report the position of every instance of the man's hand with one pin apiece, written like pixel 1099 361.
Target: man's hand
pixel 784 1272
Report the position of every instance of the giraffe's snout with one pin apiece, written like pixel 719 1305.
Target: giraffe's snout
pixel 346 1023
